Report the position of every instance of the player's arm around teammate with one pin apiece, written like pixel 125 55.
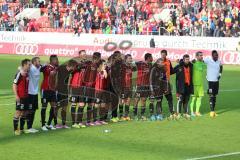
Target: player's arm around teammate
pixel 20 89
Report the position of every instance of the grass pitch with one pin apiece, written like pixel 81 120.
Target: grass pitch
pixel 166 140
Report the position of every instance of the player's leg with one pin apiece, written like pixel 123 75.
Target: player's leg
pixel 114 107
pixel 33 111
pixel 62 104
pixel 143 108
pixel 159 109
pixel 89 114
pixel 30 112
pixel 90 106
pixel 103 113
pixel 121 105
pixel 74 101
pixel 22 120
pixel 64 116
pixel 127 106
pixel 114 104
pixel 135 107
pixel 179 105
pixel 192 104
pixel 151 108
pixel 169 98
pixel 199 100
pixel 80 113
pixel 213 91
pixel 52 115
pixel 24 114
pixel 16 122
pixel 43 110
pixel 193 100
pixel 137 97
pixel 16 119
pixel 186 98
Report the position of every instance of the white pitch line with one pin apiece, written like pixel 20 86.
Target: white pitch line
pixel 7 104
pixel 215 156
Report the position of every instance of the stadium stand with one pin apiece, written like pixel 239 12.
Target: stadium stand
pixel 213 18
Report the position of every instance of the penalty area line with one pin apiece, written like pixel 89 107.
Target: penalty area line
pixel 215 156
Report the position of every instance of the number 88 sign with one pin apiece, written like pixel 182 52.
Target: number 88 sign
pixel 112 46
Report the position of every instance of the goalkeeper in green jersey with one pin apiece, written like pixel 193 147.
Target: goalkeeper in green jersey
pixel 198 83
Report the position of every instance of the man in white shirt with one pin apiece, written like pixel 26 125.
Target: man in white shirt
pixel 34 77
pixel 214 72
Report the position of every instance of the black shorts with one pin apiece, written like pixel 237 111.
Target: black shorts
pixel 77 92
pixel 77 99
pixel 89 92
pixel 33 101
pixel 62 100
pixel 102 96
pixel 127 93
pixel 49 96
pixel 23 104
pixel 143 91
pixel 213 88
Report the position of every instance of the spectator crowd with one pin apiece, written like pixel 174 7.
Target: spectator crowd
pixel 211 18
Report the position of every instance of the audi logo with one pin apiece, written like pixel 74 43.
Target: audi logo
pixel 26 49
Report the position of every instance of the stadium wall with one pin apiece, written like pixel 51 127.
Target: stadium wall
pixel 67 44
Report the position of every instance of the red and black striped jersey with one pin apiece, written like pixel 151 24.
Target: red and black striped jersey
pixel 127 73
pixel 47 71
pixel 101 82
pixel 22 81
pixel 143 73
pixel 90 74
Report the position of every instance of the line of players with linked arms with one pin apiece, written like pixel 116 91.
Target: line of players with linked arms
pixel 107 88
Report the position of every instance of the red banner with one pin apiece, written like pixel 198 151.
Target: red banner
pixel 138 53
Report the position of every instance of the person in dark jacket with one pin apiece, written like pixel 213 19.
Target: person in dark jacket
pixel 184 85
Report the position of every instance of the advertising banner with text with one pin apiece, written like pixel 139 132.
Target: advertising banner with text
pixel 67 44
